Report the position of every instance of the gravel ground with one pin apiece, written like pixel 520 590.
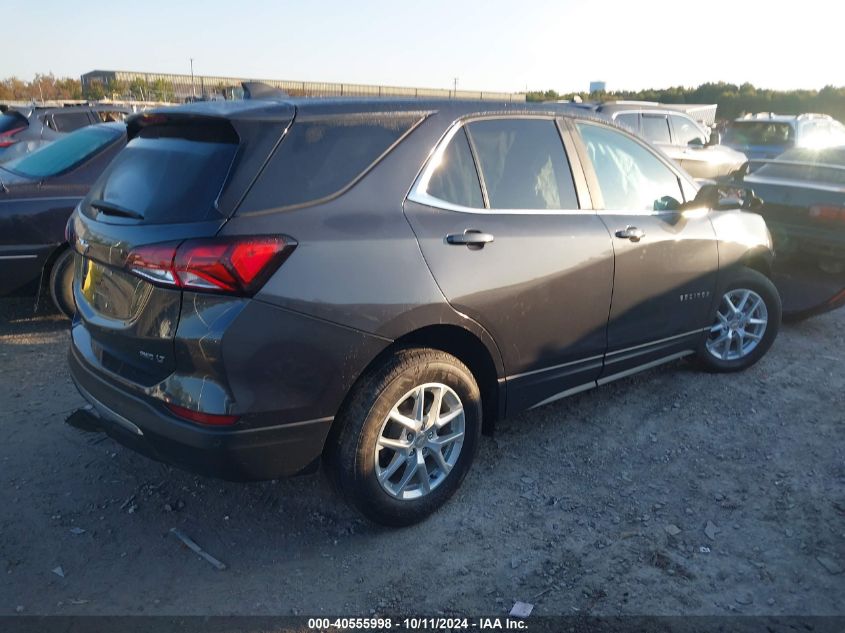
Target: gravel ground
pixel 672 492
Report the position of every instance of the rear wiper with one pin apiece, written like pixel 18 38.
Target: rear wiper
pixel 109 208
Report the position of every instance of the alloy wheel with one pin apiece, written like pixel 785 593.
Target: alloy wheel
pixel 420 441
pixel 740 325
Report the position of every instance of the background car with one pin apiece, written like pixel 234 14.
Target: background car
pixel 38 192
pixel 24 129
pixel 370 282
pixel 768 135
pixel 803 193
pixel 682 139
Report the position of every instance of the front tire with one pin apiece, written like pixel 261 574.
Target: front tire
pixel 61 283
pixel 745 324
pixel 407 436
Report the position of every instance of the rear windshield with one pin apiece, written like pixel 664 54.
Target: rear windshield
pixel 64 154
pixel 823 166
pixel 12 121
pixel 165 178
pixel 759 133
pixel 320 157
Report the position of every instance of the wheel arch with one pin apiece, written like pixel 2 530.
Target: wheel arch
pixel 46 269
pixel 463 344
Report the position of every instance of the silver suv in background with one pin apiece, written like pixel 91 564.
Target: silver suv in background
pixel 684 140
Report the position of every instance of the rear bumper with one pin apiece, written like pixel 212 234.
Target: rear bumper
pixel 233 454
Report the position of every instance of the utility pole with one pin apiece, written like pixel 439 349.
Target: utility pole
pixel 193 91
pixel 455 88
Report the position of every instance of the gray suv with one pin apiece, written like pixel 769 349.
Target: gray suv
pixel 685 141
pixel 372 283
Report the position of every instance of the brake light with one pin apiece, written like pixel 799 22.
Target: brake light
pixel 236 265
pixel 202 418
pixel 827 213
pixel 6 137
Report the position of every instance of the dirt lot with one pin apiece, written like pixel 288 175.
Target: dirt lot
pixel 673 492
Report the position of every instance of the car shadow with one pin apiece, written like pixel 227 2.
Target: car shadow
pixel 18 317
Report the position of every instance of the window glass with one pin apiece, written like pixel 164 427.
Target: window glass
pixel 630 176
pixel 656 128
pixel 685 130
pixel 319 157
pixel 523 164
pixel 63 154
pixel 759 133
pixel 164 178
pixel 70 121
pixel 817 165
pixel 630 120
pixel 455 179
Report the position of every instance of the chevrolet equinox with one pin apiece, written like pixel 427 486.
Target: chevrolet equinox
pixel 261 287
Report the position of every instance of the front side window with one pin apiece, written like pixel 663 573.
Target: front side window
pixel 63 154
pixel 656 128
pixel 631 177
pixel 685 130
pixel 523 164
pixel 455 179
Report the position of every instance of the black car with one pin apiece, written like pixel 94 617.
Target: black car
pixel 24 129
pixel 38 192
pixel 804 206
pixel 372 282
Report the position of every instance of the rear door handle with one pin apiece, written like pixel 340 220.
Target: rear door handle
pixel 631 233
pixel 470 238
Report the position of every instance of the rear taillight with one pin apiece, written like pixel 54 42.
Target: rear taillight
pixel 7 138
pixel 236 265
pixel 827 213
pixel 202 418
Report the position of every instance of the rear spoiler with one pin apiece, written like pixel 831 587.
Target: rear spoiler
pixel 262 91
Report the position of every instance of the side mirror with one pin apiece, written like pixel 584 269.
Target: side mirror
pixel 696 142
pixel 715 138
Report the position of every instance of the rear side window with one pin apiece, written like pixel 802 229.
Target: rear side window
pixel 656 128
pixel 630 120
pixel 70 121
pixel 63 154
pixel 167 174
pixel 631 177
pixel 319 157
pixel 455 179
pixel 523 164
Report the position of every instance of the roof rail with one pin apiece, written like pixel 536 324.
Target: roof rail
pixel 813 115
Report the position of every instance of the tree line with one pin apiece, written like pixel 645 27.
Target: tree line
pixel 733 100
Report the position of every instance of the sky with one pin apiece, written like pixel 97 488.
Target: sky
pixel 499 45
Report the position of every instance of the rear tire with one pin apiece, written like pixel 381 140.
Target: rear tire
pixel 745 324
pixel 391 458
pixel 61 283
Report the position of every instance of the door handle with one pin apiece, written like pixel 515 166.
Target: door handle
pixel 631 233
pixel 471 238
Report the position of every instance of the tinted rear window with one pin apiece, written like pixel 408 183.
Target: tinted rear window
pixel 63 154
pixel 759 133
pixel 12 121
pixel 455 179
pixel 818 166
pixel 165 177
pixel 70 121
pixel 322 156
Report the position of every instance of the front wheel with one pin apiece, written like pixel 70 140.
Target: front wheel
pixel 745 324
pixel 407 436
